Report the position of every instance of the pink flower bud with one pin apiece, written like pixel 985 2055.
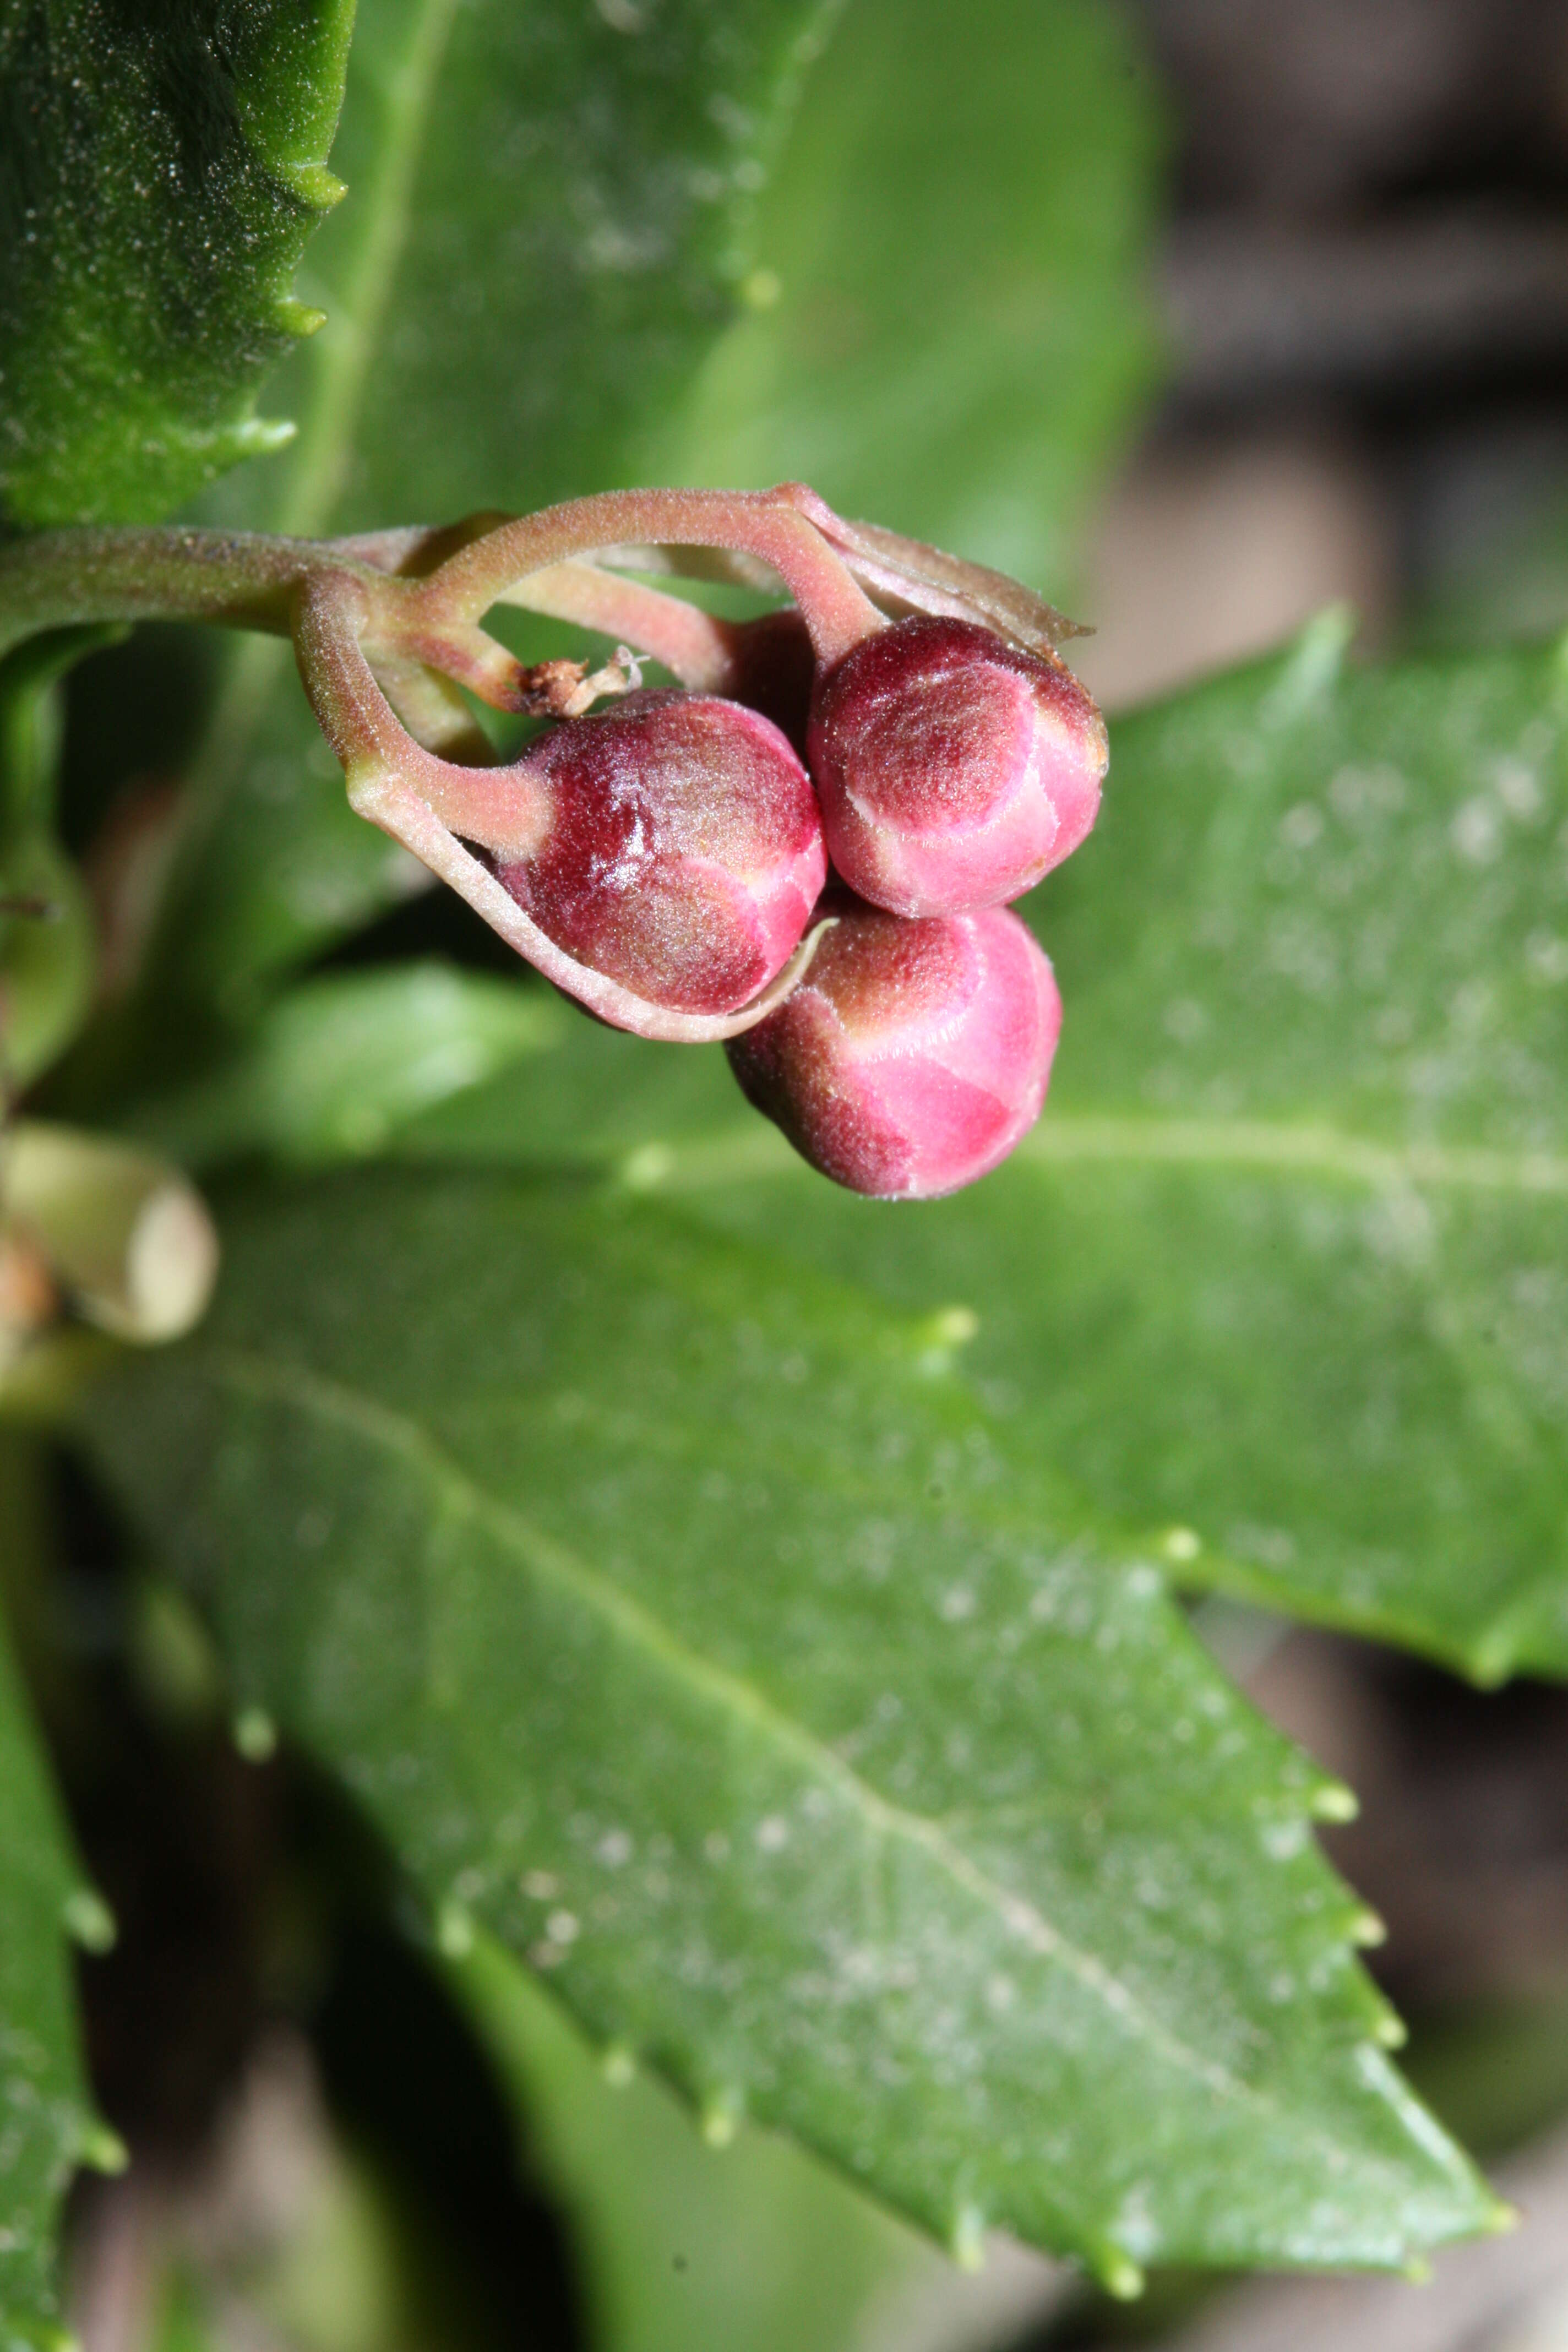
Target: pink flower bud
pixel 954 768
pixel 678 849
pixel 913 1054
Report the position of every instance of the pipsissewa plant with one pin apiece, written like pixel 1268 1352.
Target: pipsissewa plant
pixel 661 861
pixel 685 1588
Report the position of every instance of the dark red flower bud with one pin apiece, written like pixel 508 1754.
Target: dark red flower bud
pixel 954 768
pixel 680 848
pixel 773 669
pixel 913 1054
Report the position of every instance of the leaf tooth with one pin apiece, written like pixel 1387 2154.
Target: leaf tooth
pixel 719 2116
pixel 89 1921
pixel 619 2064
pixel 299 319
pixel 1365 1927
pixel 253 437
pixel 966 2238
pixel 312 183
pixel 455 1931
pixel 1491 1660
pixel 255 1734
pixel 1115 2269
pixel 1311 669
pixel 1332 1801
pixel 102 2149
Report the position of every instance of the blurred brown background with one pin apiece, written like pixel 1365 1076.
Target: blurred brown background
pixel 1365 294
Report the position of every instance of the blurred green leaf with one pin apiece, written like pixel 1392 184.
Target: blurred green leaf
pixel 162 166
pixel 47 947
pixel 1281 1269
pixel 947 328
pixel 47 2127
pixel 682 1620
pixel 681 2244
pixel 336 1066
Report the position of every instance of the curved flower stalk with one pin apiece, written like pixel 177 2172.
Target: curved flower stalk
pixel 435 808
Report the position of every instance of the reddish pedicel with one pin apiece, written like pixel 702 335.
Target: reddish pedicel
pixel 913 1054
pixel 680 848
pixel 954 768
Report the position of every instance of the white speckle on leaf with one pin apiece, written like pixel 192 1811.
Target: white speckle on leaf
pixel 1477 831
pixel 1300 826
pixel 1283 1840
pixel 1546 957
pixel 1518 787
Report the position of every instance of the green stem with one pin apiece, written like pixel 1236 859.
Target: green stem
pixel 247 578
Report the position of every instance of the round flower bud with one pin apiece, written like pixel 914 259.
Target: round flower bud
pixel 913 1054
pixel 954 768
pixel 679 848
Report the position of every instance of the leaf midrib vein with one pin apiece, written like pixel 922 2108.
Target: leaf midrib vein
pixel 1261 1146
pixel 1265 1143
pixel 252 1373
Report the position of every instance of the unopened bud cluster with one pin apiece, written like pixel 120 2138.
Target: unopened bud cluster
pixel 681 848
pixel 806 847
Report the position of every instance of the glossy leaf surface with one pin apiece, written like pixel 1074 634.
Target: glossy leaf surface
pixel 162 166
pixel 684 1622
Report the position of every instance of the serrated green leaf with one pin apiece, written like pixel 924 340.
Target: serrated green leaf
pixel 679 2243
pixel 46 2126
pixel 1281 1268
pixel 684 1623
pixel 161 169
pixel 948 329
